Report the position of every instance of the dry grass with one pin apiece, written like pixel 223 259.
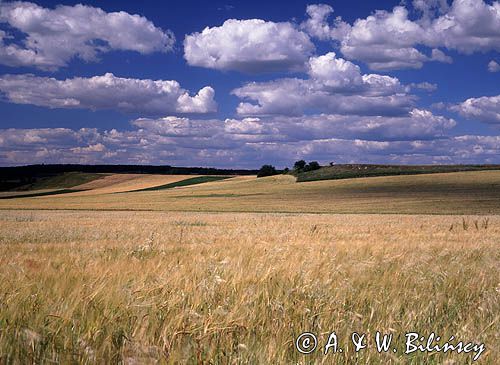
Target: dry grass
pixel 450 193
pixel 140 287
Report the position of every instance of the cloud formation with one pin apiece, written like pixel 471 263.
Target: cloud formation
pixel 334 86
pixel 390 40
pixel 333 111
pixel 317 26
pixel 55 36
pixel 250 46
pixel 24 146
pixel 245 142
pixel 107 92
pixel 484 109
pixel 426 86
pixel 418 124
pixel 493 66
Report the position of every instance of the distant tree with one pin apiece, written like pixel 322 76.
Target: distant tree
pixel 311 166
pixel 267 170
pixel 314 165
pixel 286 170
pixel 299 165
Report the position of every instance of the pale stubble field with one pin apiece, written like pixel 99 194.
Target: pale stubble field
pixel 183 287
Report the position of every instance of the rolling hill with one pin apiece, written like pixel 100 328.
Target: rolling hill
pixel 476 192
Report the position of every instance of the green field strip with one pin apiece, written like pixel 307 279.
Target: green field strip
pixel 329 173
pixel 185 182
pixel 45 193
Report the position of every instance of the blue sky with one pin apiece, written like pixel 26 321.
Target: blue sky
pixel 266 82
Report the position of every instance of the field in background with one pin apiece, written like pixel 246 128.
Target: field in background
pixel 104 184
pixel 349 171
pixel 122 183
pixel 238 288
pixel 62 181
pixel 448 193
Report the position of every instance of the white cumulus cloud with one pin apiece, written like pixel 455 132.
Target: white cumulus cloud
pixel 389 40
pixel 252 45
pixel 318 27
pixel 418 124
pixel 151 97
pixel 52 37
pixel 485 109
pixel 334 86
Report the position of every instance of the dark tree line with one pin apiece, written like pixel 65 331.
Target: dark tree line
pixel 303 166
pixel 267 170
pixel 32 170
pixel 298 167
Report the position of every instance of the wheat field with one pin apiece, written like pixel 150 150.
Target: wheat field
pixel 238 288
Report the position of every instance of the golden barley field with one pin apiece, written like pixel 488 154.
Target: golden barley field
pixel 97 284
